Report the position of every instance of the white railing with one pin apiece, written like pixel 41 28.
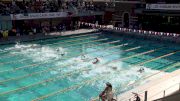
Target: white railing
pixel 144 32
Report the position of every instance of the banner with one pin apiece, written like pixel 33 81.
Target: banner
pixel 38 15
pixel 163 6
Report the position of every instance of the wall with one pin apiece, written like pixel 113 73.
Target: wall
pixel 121 9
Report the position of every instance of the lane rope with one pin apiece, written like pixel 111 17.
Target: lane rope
pixel 4 51
pixel 25 87
pixel 37 64
pixel 31 59
pixel 65 90
pixel 99 40
pixel 57 67
pixel 142 63
pixel 7 56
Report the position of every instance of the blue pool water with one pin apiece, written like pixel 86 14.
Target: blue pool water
pixel 62 69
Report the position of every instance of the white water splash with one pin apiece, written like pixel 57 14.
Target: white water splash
pixel 38 53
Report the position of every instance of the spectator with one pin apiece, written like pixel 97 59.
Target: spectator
pixel 5 34
pixel 107 94
pixel 1 34
pixel 136 97
pixel 34 31
pixel 43 6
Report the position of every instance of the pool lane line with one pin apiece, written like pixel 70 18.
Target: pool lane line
pixel 99 40
pixel 116 60
pixel 4 51
pixel 43 40
pixel 70 41
pixel 30 65
pixel 93 51
pixel 64 90
pixel 65 47
pixel 37 64
pixel 62 76
pixel 19 68
pixel 57 67
pixel 79 36
pixel 139 54
pixel 159 57
pixel 156 58
pixel 16 61
pixel 67 37
pixel 50 44
pixel 71 88
pixel 91 46
pixel 10 55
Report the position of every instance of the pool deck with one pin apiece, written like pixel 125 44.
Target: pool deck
pixel 170 82
pixel 40 36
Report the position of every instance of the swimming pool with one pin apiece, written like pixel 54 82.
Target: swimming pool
pixel 62 69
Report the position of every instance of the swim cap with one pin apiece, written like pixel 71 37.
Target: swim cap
pixel 108 84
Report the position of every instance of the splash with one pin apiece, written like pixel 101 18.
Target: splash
pixel 118 75
pixel 20 47
pixel 61 51
pixel 37 52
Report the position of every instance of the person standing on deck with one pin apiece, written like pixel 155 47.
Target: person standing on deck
pixel 136 97
pixel 1 34
pixel 5 34
pixel 107 93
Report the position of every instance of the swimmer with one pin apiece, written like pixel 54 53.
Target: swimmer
pixel 32 46
pixel 57 50
pixel 62 54
pixel 114 68
pixel 141 70
pixel 83 57
pixel 97 60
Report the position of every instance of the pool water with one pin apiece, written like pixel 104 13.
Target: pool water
pixel 62 69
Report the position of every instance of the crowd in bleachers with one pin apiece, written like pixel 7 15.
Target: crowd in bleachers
pixel 41 6
pixel 24 30
pixel 38 6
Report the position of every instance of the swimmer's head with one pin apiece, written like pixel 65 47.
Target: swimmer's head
pixel 57 49
pixel 115 68
pixel 108 84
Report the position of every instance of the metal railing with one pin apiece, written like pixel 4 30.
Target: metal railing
pixel 166 92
